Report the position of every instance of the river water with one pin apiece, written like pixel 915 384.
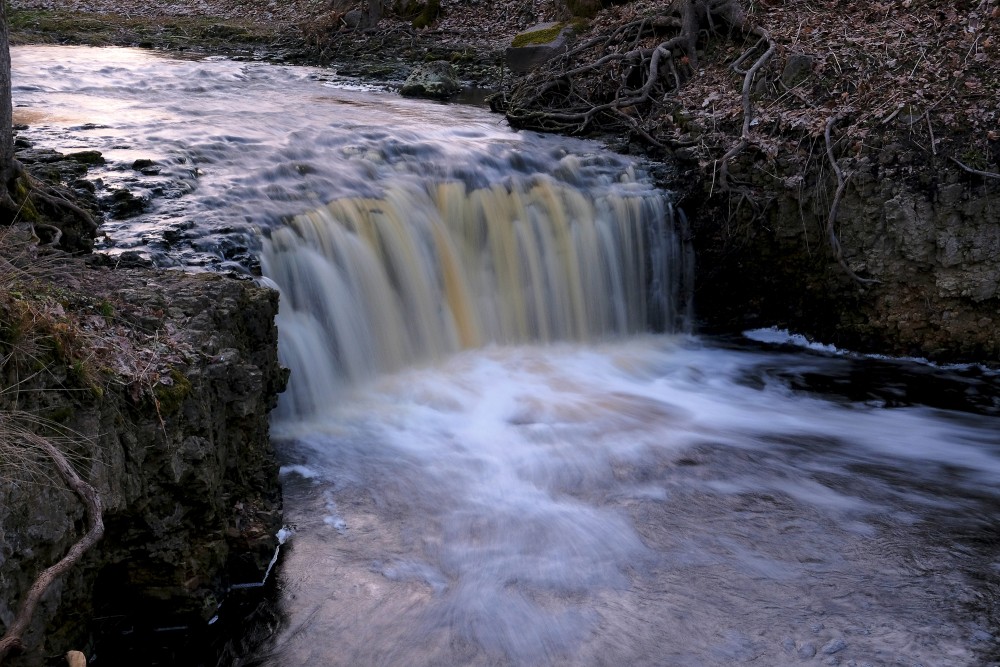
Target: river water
pixel 502 445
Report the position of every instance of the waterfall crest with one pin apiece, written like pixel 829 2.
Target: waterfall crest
pixel 369 285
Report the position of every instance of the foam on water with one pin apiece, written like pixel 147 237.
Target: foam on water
pixel 528 504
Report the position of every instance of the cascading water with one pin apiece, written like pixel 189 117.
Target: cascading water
pixel 488 458
pixel 370 285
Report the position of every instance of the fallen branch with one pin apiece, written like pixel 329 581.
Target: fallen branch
pixel 92 506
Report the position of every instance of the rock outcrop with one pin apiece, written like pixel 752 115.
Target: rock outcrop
pixel 183 466
pixel 928 238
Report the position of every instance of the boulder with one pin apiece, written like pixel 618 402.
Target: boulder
pixel 436 80
pixel 797 69
pixel 537 45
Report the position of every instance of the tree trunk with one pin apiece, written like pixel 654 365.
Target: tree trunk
pixel 7 170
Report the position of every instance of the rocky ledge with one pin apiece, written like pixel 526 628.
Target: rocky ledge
pixel 157 385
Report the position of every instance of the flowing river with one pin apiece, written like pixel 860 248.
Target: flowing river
pixel 502 444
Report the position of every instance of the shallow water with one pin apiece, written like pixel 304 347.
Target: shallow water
pixel 607 497
pixel 241 146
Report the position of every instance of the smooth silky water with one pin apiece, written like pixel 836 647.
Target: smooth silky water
pixel 489 455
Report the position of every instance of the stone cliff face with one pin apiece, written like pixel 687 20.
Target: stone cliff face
pixel 930 236
pixel 184 468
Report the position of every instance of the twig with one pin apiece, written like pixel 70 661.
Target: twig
pixel 930 129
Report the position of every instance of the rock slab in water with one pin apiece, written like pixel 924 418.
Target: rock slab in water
pixel 537 45
pixel 436 80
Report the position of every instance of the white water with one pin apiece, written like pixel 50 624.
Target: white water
pixel 369 286
pixel 466 494
pixel 649 501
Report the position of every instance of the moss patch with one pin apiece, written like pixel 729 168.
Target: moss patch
pixel 543 36
pixel 429 14
pixel 170 397
pixel 27 212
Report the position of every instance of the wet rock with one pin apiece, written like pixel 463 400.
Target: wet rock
pixel 807 650
pixel 934 250
pixel 435 80
pixel 123 204
pixel 146 167
pixel 834 646
pixel 86 157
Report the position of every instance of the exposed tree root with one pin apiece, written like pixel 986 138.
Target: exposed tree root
pixel 615 81
pixel 838 251
pixel 611 78
pixel 748 78
pixel 95 522
pixel 51 200
pixel 977 172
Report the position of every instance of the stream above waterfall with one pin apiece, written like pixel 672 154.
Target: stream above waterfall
pixel 502 442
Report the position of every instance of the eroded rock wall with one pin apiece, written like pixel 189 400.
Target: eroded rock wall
pixel 930 236
pixel 186 472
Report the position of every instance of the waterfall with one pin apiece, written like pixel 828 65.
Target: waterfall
pixel 369 285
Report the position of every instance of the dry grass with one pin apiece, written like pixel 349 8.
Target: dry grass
pixel 24 454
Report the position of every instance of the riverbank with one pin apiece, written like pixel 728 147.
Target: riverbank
pixel 157 386
pixel 862 209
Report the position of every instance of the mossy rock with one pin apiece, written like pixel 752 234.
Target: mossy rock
pixel 170 397
pixel 545 34
pixel 86 157
pixel 537 45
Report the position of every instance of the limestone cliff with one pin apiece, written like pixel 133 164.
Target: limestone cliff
pixel 177 447
pixel 929 235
